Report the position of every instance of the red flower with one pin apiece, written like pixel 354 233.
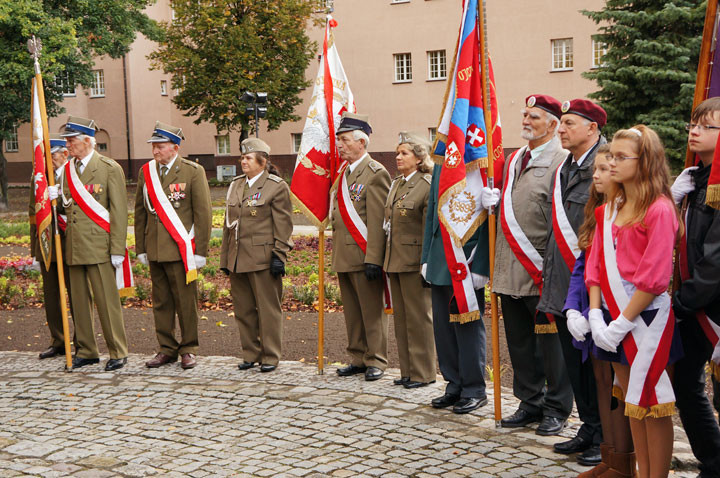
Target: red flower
pixel 458 271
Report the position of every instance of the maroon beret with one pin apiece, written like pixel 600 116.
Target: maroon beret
pixel 586 109
pixel 544 102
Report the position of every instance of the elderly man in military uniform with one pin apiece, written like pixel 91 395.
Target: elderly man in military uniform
pixel 171 204
pixel 94 199
pixel 359 248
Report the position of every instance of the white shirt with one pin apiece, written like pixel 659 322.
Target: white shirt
pixel 534 153
pixel 168 165
pixel 251 181
pixel 84 162
pixel 59 172
pixel 354 165
pixel 407 178
pixel 582 158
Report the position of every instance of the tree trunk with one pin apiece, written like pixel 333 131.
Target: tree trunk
pixel 4 203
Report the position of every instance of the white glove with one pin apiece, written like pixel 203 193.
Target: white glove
pixel 423 271
pixel 577 324
pixel 479 281
pixel 386 227
pixel 489 197
pixel 611 337
pixel 35 266
pixel 142 258
pixel 683 185
pixel 200 261
pixel 53 192
pixel 116 260
pixel 597 322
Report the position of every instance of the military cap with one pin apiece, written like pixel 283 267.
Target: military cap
pixel 412 137
pixel 253 145
pixel 546 103
pixel 76 126
pixel 353 121
pixel 586 109
pixel 57 143
pixel 164 133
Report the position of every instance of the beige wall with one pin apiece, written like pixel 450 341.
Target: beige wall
pixel 368 34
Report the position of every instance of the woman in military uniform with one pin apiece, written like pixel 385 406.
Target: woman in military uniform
pixel 256 240
pixel 404 224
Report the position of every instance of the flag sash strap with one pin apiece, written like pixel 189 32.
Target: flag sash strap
pixel 708 326
pixel 463 289
pixel 565 236
pixel 647 347
pixel 170 220
pixel 100 216
pixel 358 230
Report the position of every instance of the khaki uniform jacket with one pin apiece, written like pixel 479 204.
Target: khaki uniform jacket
pixel 86 242
pixel 370 206
pixel 531 197
pixel 193 209
pixel 255 229
pixel 405 211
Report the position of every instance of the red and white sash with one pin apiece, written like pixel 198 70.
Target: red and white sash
pixel 358 230
pixel 647 347
pixel 170 219
pixel 100 216
pixel 565 236
pixel 709 327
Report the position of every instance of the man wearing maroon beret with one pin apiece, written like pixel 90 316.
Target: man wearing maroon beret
pixel 579 133
pixel 540 379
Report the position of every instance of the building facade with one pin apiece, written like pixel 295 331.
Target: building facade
pixel 396 54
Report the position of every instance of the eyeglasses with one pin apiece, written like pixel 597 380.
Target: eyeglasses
pixel 703 127
pixel 619 159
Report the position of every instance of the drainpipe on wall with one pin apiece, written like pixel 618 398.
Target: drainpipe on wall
pixel 127 119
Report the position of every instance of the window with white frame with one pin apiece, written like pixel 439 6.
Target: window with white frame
pixel 562 54
pixel 11 144
pixel 62 81
pixel 163 87
pixel 296 140
pixel 403 67
pixel 599 49
pixel 97 88
pixel 432 134
pixel 222 144
pixel 437 65
pixel 102 147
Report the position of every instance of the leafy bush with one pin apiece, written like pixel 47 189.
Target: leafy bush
pixel 142 292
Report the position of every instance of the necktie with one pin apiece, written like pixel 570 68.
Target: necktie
pixel 163 171
pixel 79 167
pixel 525 160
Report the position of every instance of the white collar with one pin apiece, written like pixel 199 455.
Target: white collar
pixel 407 178
pixel 250 182
pixel 353 166
pixel 86 159
pixel 59 171
pixel 168 165
pixel 534 153
pixel 582 158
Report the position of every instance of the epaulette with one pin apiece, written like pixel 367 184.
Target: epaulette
pixel 191 163
pixel 428 178
pixel 108 161
pixel 375 166
pixel 238 177
pixel 275 178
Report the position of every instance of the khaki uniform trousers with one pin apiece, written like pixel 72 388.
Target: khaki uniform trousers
pixel 101 279
pixel 51 294
pixel 170 296
pixel 366 323
pixel 257 301
pixel 412 308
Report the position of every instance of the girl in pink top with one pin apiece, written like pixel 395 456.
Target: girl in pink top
pixel 627 274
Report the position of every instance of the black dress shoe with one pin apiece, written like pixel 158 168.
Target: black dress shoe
pixel 445 401
pixel 576 445
pixel 78 362
pixel 350 370
pixel 266 367
pixel 114 364
pixel 468 404
pixel 51 352
pixel 414 384
pixel 520 418
pixel 550 426
pixel 401 381
pixel 373 373
pixel 246 365
pixel 590 457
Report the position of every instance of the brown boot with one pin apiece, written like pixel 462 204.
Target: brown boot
pixel 622 466
pixel 606 452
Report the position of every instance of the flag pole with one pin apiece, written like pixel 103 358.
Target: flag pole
pixel 35 46
pixel 321 300
pixel 485 79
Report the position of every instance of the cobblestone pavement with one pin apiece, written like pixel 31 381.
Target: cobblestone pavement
pixel 217 421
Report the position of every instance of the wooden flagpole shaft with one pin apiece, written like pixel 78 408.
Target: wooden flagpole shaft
pixel 58 245
pixel 485 79
pixel 321 300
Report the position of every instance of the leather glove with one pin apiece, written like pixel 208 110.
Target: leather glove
pixel 611 337
pixel 277 267
pixel 53 192
pixel 200 261
pixel 682 312
pixel 683 185
pixel 35 266
pixel 116 260
pixel 597 322
pixel 577 324
pixel 423 271
pixel 372 271
pixel 489 197
pixel 479 281
pixel 142 258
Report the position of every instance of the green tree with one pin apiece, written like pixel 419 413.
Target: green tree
pixel 73 32
pixel 649 70
pixel 218 49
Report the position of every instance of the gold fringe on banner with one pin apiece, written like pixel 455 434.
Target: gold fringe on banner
pixel 546 328
pixel 715 370
pixel 618 393
pixel 465 318
pixel 712 197
pixel 656 411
